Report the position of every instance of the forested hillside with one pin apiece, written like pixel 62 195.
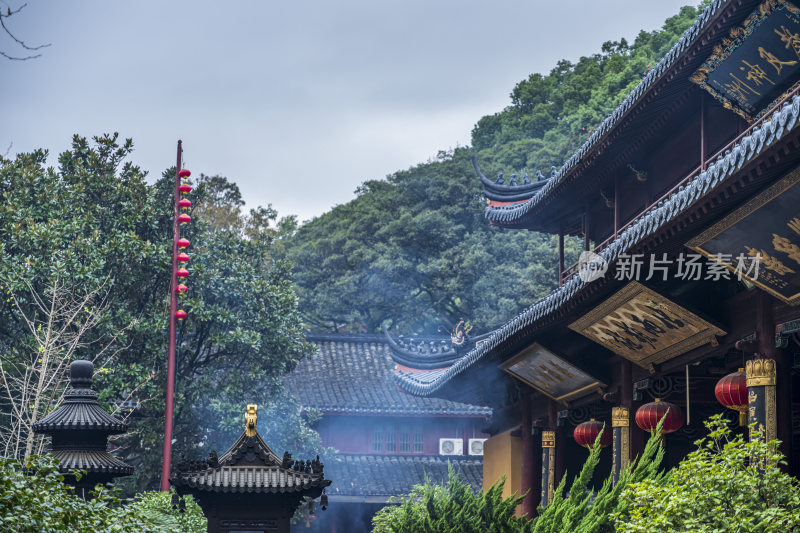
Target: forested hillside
pixel 414 251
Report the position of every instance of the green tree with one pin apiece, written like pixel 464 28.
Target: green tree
pixel 726 485
pixel 95 222
pixel 413 250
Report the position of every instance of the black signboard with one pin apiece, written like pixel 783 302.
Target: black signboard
pixel 758 64
pixel 766 233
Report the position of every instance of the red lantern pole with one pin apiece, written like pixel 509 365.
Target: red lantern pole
pixel 173 305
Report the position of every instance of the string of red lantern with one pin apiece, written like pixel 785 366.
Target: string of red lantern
pixel 178 289
pixel 183 218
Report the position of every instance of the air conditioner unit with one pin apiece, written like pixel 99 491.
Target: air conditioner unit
pixel 451 446
pixel 476 446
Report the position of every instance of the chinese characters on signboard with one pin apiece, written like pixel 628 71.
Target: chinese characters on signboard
pixel 644 327
pixel 766 226
pixel 548 373
pixel 758 64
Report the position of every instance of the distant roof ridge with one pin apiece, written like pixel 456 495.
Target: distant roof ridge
pixel 368 337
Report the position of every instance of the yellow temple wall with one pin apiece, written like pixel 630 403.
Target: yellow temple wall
pixel 502 456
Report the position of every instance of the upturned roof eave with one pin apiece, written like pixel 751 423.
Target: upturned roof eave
pixel 781 121
pixel 525 214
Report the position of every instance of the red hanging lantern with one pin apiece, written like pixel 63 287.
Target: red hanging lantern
pixel 180 314
pixel 182 273
pixel 183 243
pixel 185 188
pixel 184 204
pixel 182 258
pixel 183 218
pixel 181 289
pixel 649 415
pixel 586 434
pixel 184 173
pixel 731 391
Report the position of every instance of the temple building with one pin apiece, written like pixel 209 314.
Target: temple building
pixel 687 201
pixel 387 441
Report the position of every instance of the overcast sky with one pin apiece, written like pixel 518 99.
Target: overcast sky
pixel 298 102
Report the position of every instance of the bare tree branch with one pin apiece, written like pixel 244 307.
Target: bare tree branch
pixel 9 13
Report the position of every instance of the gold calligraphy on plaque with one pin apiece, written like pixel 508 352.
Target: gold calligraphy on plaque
pixel 548 373
pixel 644 327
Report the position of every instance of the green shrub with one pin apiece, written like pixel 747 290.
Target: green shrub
pixel 156 508
pixel 584 511
pixel 451 508
pixel 726 485
pixel 34 499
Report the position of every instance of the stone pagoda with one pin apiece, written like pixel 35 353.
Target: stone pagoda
pixel 249 488
pixel 79 429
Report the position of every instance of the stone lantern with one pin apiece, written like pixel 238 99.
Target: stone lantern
pixel 79 429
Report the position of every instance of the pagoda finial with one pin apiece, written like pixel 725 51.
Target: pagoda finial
pixel 250 420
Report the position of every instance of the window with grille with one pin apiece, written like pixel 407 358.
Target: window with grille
pixel 418 441
pixel 391 442
pixel 377 440
pixel 405 439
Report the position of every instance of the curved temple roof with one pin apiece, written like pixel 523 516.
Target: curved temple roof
pixel 250 466
pixel 762 136
pixel 499 192
pixel 352 375
pixel 512 214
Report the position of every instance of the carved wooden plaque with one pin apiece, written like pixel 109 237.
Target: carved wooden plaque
pixel 644 327
pixel 548 373
pixel 758 63
pixel 768 228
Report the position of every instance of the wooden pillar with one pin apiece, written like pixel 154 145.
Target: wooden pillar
pixel 549 455
pixel 586 239
pixel 617 213
pixel 560 256
pixel 548 466
pixel 703 136
pixel 778 407
pixel 636 445
pixel 530 461
pixel 620 425
pixel 761 408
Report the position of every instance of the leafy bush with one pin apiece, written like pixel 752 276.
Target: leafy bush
pixel 34 499
pixel 726 485
pixel 156 508
pixel 451 508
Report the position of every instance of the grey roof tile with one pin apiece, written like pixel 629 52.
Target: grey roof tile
pixel 353 374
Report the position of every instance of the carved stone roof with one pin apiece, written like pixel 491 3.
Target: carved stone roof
pixel 352 374
pixel 774 127
pixel 80 409
pixel 393 475
pixel 92 461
